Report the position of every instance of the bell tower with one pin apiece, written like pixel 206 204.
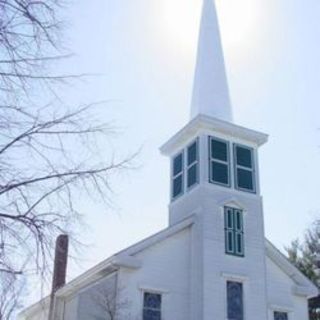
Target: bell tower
pixel 215 180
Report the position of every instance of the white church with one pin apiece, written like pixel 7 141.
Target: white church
pixel 213 261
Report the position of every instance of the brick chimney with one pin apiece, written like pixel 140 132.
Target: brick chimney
pixel 59 271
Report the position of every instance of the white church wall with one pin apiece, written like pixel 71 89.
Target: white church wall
pixel 71 308
pixel 165 270
pixel 91 300
pixel 300 308
pixel 280 294
pixel 219 267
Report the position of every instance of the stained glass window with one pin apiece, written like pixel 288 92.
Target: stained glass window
pixel 219 162
pixel 244 168
pixel 152 306
pixel 235 300
pixel 234 231
pixel 280 315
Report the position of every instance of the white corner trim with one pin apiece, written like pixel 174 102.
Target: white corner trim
pixel 234 277
pixel 153 289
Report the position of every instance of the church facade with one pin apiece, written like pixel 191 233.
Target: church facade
pixel 213 261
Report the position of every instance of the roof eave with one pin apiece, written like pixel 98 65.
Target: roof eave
pixel 206 123
pixel 304 286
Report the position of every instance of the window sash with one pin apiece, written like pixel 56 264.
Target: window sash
pixel 235 306
pixel 213 160
pixel 178 175
pixel 280 315
pixel 151 312
pixel 250 170
pixel 194 165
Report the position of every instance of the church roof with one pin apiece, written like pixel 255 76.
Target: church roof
pixel 126 259
pixel 210 92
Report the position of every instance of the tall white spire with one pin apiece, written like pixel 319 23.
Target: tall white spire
pixel 210 92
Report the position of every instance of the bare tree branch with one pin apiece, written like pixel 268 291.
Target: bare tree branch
pixel 49 152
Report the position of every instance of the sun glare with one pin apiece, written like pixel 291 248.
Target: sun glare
pixel 238 21
pixel 179 20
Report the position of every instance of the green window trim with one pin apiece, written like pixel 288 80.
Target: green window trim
pixel 244 168
pixel 219 162
pixel 234 232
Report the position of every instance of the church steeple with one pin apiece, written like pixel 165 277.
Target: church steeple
pixel 210 92
pixel 212 159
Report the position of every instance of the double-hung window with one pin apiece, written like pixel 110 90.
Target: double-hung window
pixel 192 164
pixel 234 231
pixel 185 170
pixel 280 315
pixel 152 306
pixel 219 162
pixel 244 168
pixel 235 309
pixel 177 175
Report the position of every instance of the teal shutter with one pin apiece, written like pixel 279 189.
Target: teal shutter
pixel 234 232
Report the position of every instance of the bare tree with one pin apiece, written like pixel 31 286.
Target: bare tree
pixel 48 151
pixel 10 294
pixel 111 304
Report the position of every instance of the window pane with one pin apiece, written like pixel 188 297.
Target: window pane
pixel 219 150
pixel 235 300
pixel 151 314
pixel 219 173
pixel 280 316
pixel 238 215
pixel 178 164
pixel 193 153
pixel 152 300
pixel 192 175
pixel 239 237
pixel 245 179
pixel 244 157
pixel 230 241
pixel 229 218
pixel 151 306
pixel 177 186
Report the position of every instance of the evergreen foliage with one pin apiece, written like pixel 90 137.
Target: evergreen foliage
pixel 305 255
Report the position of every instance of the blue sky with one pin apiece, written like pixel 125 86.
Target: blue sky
pixel 144 52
